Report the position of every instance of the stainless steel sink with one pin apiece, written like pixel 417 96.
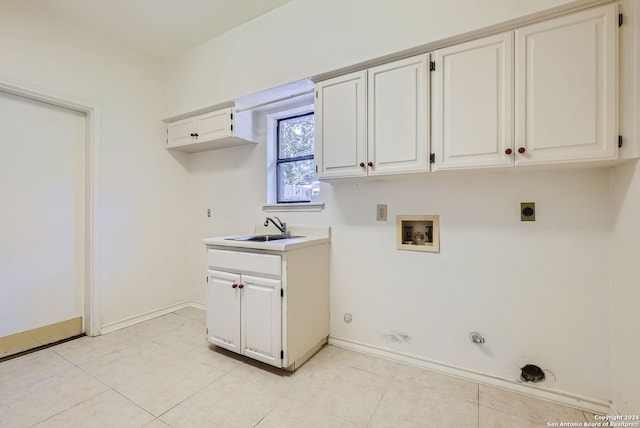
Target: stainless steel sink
pixel 262 238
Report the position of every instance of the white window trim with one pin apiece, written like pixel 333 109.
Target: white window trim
pixel 272 156
pixel 295 206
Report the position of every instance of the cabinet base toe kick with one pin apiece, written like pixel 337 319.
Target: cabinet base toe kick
pixel 306 357
pixel 291 367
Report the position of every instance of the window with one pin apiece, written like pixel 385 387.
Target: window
pixel 295 177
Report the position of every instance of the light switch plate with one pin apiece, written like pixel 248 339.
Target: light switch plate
pixel 381 212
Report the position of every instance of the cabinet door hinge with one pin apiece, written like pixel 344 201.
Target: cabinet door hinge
pixel 432 158
pixel 619 141
pixel 316 169
pixel 282 292
pixel 432 66
pixel 231 116
pixel 207 279
pixel 620 19
pixel 232 126
pixel 316 94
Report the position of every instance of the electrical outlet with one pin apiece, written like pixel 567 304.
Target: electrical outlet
pixel 209 214
pixel 527 211
pixel 381 212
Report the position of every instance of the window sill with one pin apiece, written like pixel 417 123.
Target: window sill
pixel 301 207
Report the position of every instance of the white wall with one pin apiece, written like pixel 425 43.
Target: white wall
pixel 304 38
pixel 625 345
pixel 625 293
pixel 141 237
pixel 534 290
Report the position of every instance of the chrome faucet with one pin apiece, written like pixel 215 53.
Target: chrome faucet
pixel 282 227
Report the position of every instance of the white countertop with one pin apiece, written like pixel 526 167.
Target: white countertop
pixel 306 236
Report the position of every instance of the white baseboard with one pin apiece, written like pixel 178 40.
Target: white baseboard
pixel 128 322
pixel 560 397
pixel 198 305
pixel 614 410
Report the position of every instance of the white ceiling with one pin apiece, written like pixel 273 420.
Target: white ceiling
pixel 161 28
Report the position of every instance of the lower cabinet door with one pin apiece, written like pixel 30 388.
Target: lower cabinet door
pixel 223 310
pixel 261 314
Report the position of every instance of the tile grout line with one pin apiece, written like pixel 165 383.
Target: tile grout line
pixel 270 411
pixel 191 396
pixel 134 403
pixel 110 388
pixel 115 390
pixel 69 408
pixel 73 365
pixel 386 388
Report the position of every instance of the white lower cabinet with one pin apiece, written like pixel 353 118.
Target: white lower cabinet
pixel 269 306
pixel 244 315
pixel 223 310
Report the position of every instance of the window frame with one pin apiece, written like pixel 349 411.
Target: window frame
pixel 283 161
pixel 299 105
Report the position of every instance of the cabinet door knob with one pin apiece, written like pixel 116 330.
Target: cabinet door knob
pixel 241 286
pixel 370 163
pixel 192 134
pixel 508 151
pixel 234 286
pixel 522 150
pixel 196 135
pixel 361 164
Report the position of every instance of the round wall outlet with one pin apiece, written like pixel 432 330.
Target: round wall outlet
pixel 348 318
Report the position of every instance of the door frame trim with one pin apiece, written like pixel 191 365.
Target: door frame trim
pixel 92 315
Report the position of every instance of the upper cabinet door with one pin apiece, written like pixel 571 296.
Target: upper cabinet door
pixel 398 117
pixel 566 88
pixel 180 133
pixel 340 130
pixel 473 104
pixel 214 125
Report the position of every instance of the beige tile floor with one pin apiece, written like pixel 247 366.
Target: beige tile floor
pixel 161 373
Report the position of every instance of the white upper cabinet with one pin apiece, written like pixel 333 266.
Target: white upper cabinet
pixel 566 82
pixel 374 122
pixel 212 130
pixel 472 100
pixel 563 108
pixel 545 93
pixel 341 127
pixel 398 117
